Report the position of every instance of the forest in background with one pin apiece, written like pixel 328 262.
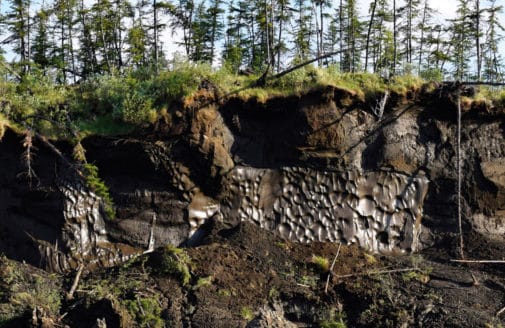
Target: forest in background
pixel 71 40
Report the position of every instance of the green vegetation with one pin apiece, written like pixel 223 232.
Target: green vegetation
pixel 336 319
pixel 333 324
pixel 129 289
pixel 176 262
pixel 116 104
pixel 146 311
pixel 322 263
pixel 24 289
pixel 100 67
pixel 203 282
pixel 246 313
pixel 224 292
pixel 99 187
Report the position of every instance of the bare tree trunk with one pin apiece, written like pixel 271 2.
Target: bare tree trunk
pixel 409 32
pixel 155 31
pixel 71 44
pixel 318 50
pixel 372 15
pixel 341 31
pixel 62 45
pixel 28 47
pixel 279 40
pixel 477 38
pixel 421 41
pixel 395 58
pixel 321 20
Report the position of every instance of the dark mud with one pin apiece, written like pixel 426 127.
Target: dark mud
pixel 246 277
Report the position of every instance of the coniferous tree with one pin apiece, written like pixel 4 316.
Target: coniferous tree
pixel 216 26
pixel 493 66
pixel 378 38
pixel 351 28
pixel 302 34
pixel 137 40
pixel 461 44
pixel 87 54
pixel 281 19
pixel 17 21
pixel 182 18
pixel 42 46
pixel 408 15
pixel 425 27
pixel 331 37
pixel 234 50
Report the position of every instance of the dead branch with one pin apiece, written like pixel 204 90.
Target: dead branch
pixel 28 155
pixel 370 273
pixel 478 261
pixel 501 311
pixel 11 70
pixel 378 110
pixel 330 273
pixel 262 80
pixel 70 294
pixel 496 84
pixel 52 147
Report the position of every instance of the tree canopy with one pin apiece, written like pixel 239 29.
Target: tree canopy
pixel 70 40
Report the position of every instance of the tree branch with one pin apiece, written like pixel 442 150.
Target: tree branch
pixel 478 261
pixel 70 294
pixel 330 273
pixel 378 272
pixel 263 78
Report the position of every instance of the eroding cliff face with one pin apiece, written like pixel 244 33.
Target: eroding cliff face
pixel 320 167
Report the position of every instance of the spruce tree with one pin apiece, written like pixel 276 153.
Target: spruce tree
pixel 42 46
pixel 17 21
pixel 492 60
pixel 461 44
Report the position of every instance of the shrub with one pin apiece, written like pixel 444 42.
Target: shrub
pixel 432 74
pixel 246 313
pixel 176 262
pixel 23 289
pixel 135 109
pixel 321 263
pixel 203 282
pixel 146 311
pixel 98 186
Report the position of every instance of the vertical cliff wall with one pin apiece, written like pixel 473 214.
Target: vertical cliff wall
pixel 319 167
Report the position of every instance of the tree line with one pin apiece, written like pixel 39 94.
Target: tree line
pixel 75 39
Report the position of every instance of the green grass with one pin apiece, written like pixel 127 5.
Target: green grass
pixel 104 126
pixel 322 263
pixel 203 282
pixel 23 289
pixel 117 104
pixel 176 263
pixel 246 313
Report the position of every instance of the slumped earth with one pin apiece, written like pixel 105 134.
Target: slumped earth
pixel 261 195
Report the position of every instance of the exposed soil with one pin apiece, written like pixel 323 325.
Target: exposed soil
pixel 239 275
pixel 246 277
